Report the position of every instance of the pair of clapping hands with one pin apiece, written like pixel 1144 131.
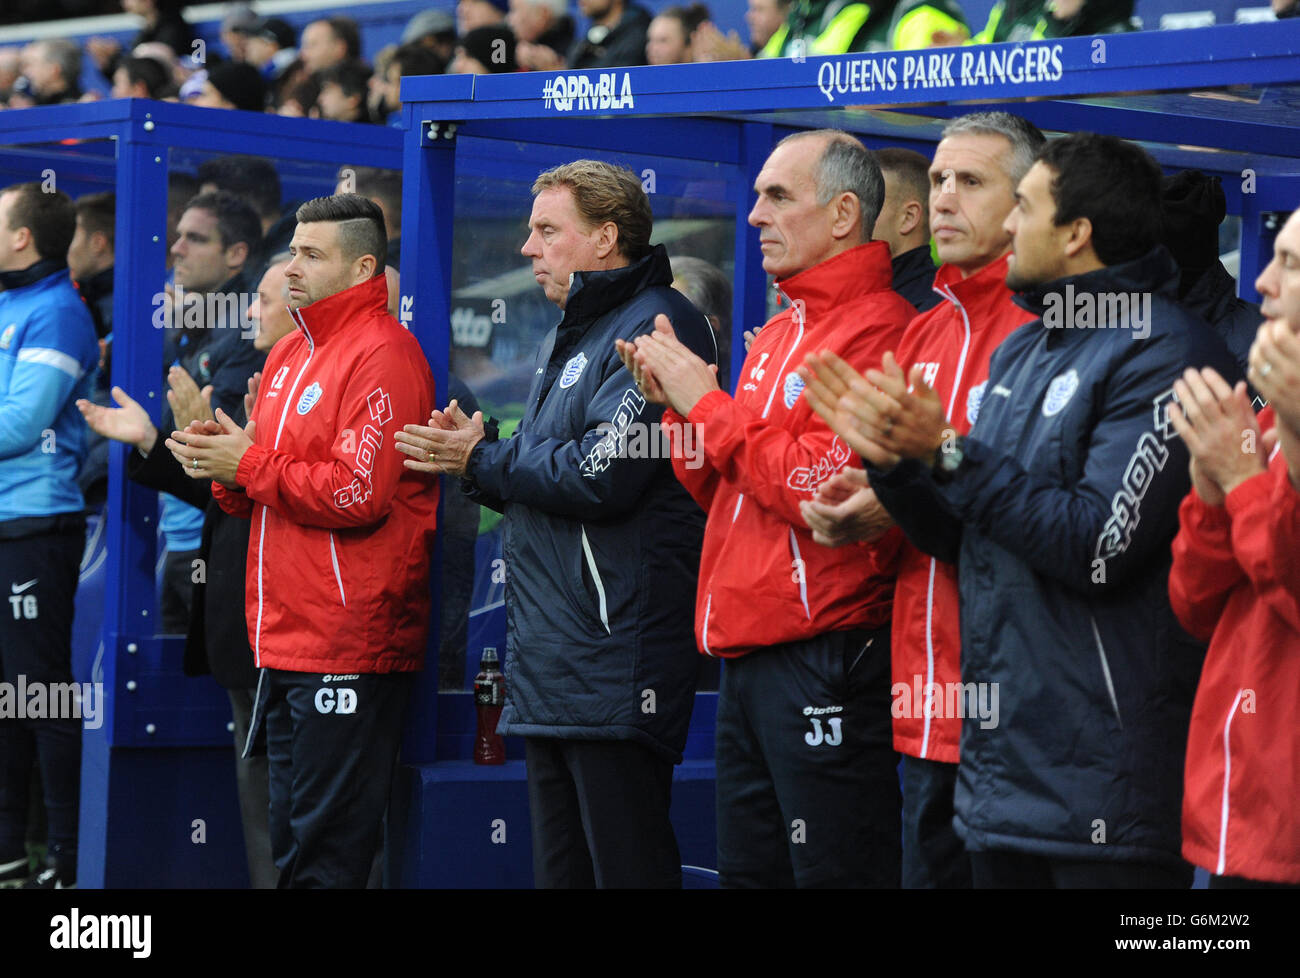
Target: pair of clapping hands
pixel 876 415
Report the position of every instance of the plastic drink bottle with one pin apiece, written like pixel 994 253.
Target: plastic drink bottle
pixel 489 698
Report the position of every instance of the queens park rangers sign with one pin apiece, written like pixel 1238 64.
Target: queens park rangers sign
pixel 606 91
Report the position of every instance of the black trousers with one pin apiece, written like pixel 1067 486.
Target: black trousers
pixel 999 870
pixel 176 597
pixel 332 747
pixel 252 782
pixel 934 857
pixel 599 814
pixel 807 775
pixel 38 576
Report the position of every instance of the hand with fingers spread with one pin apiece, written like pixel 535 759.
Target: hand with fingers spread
pixel 444 445
pixel 914 422
pixel 834 390
pixel 128 423
pixel 1219 427
pixel 674 371
pixel 188 403
pixel 751 335
pixel 212 449
pixel 845 510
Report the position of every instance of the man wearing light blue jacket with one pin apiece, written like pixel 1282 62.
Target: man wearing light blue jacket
pixel 47 353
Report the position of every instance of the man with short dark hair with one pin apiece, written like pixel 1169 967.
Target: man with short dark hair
pixel 330 502
pixel 47 353
pixel 601 542
pixel 807 783
pixel 343 90
pixel 208 340
pixel 904 224
pixel 1059 509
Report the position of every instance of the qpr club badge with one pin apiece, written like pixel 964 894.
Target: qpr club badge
pixel 309 398
pixel 794 386
pixel 974 398
pixel 573 370
pixel 1059 392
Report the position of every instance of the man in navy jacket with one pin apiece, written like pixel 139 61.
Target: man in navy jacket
pixel 601 542
pixel 1060 507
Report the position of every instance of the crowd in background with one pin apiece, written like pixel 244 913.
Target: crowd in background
pixel 265 64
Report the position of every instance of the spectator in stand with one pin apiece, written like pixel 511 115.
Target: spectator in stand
pixel 668 38
pixel 52 69
pixel 343 89
pixel 271 48
pixel 1283 9
pixel 234 31
pixel 10 71
pixel 162 23
pixel 485 51
pixel 433 29
pixel 141 78
pixel 821 27
pixel 1236 582
pixel 904 224
pixel 299 99
pixel 1031 20
pixel 615 38
pixel 233 85
pixel 764 17
pixel 328 42
pixel 385 88
pixel 473 14
pixel 543 32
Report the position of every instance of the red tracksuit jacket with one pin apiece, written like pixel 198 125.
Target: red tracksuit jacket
pixel 1236 582
pixel 762 579
pixel 338 558
pixel 953 343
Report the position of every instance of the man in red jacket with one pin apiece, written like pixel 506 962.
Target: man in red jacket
pixel 973 178
pixel 338 558
pixel 806 777
pixel 1236 582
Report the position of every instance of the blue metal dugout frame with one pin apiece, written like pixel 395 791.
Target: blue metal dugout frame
pixel 162 759
pixel 1225 100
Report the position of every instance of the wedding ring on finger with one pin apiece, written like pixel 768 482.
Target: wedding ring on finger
pixel 1264 368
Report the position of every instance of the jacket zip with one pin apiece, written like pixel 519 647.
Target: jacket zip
pixel 1105 669
pixel 1227 774
pixel 334 559
pixel 261 535
pixel 595 576
pixel 934 563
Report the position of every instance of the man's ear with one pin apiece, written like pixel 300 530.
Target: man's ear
pixel 910 218
pixel 848 217
pixel 1080 237
pixel 606 240
pixel 363 269
pixel 237 254
pixel 99 243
